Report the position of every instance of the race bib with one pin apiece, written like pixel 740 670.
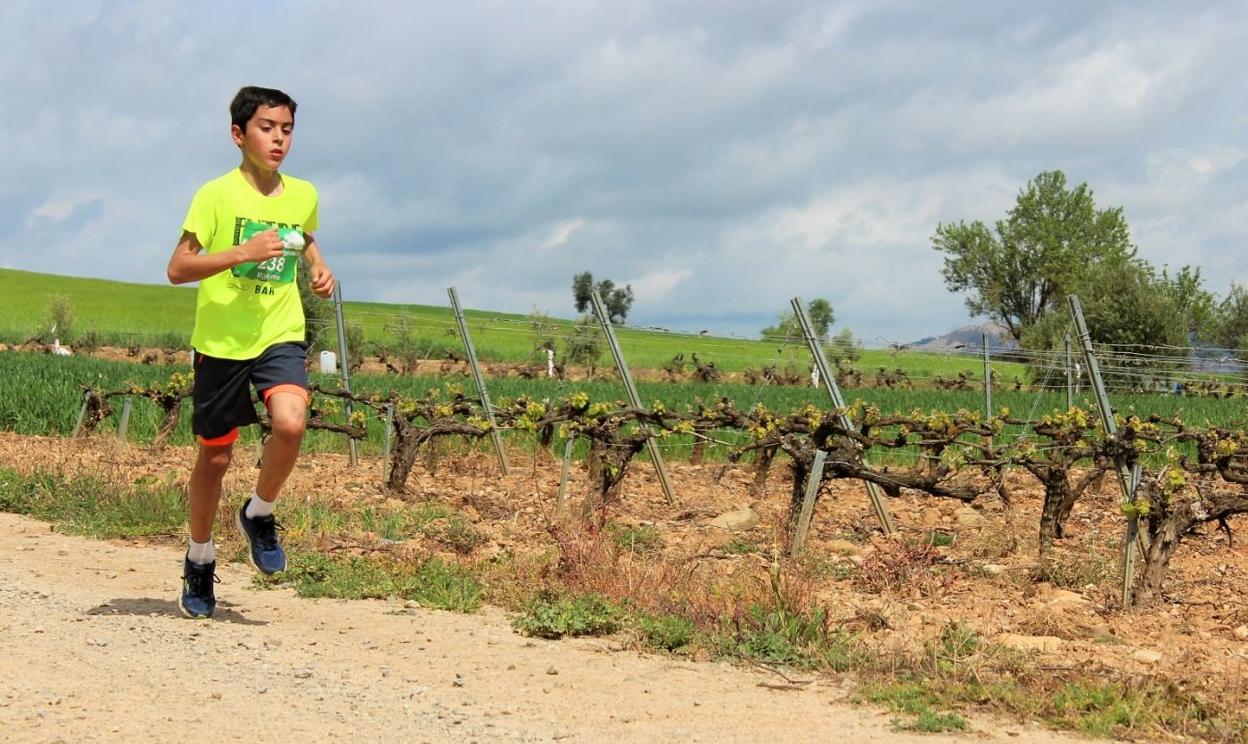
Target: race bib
pixel 279 269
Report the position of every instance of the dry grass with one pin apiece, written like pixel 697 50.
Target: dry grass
pixel 902 568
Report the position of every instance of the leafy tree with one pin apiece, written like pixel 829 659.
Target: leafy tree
pixel 1125 306
pixel 1230 325
pixel 618 300
pixel 787 328
pixel 1197 305
pixel 1026 264
pixel 843 347
pixel 582 288
pixel 821 316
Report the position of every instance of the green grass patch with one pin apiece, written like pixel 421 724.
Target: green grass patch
pixel 432 583
pixel 436 521
pixel 556 616
pixel 444 586
pixel 956 644
pixel 913 698
pixel 782 635
pixel 939 539
pixel 666 632
pixel 930 722
pixel 321 575
pixel 1104 709
pixel 94 507
pixel 742 546
pixel 642 539
pixel 918 701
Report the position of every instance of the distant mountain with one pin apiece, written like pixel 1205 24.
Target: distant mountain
pixel 970 339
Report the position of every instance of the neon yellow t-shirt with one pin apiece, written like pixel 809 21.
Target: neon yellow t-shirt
pixel 242 311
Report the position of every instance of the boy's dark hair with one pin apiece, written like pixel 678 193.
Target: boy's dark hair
pixel 250 98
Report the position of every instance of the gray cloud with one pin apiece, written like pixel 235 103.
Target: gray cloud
pixel 722 157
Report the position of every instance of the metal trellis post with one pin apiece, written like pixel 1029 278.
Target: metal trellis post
pixel 627 378
pixel 123 426
pixel 1070 374
pixel 808 502
pixel 344 366
pixel 480 380
pixel 987 381
pixel 82 413
pixel 562 498
pixel 1125 478
pixel 834 391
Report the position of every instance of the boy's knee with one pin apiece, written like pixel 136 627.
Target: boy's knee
pixel 216 459
pixel 289 425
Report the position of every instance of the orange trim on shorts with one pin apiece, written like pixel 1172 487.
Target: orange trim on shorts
pixel 222 440
pixel 288 387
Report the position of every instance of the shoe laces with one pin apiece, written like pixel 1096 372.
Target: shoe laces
pixel 266 533
pixel 199 583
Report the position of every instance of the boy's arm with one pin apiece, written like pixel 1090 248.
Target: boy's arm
pixel 187 265
pixel 322 278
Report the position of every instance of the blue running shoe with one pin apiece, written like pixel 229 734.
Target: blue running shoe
pixel 264 552
pixel 198 600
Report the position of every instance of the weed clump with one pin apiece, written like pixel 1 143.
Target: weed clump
pixel 576 615
pixel 666 633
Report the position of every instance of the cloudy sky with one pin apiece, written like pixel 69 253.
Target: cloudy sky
pixel 721 156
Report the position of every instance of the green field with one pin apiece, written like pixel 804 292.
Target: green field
pixel 40 394
pixel 157 315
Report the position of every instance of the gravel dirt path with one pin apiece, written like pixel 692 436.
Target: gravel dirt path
pixel 92 648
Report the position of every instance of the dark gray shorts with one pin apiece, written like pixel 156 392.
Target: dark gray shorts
pixel 222 396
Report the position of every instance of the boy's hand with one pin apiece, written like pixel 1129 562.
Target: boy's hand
pixel 322 279
pixel 260 247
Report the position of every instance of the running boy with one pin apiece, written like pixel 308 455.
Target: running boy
pixel 242 240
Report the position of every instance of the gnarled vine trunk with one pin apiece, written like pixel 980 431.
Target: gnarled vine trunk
pixel 606 466
pixel 173 414
pixel 762 469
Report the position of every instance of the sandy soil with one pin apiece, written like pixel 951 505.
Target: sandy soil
pixel 94 650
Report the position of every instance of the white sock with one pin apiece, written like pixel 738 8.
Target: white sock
pixel 202 553
pixel 258 507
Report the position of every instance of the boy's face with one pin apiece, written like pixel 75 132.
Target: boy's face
pixel 266 140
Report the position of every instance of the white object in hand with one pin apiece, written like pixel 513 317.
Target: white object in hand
pixel 293 240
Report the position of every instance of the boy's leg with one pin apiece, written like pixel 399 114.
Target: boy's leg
pixel 205 487
pixel 222 404
pixel 288 407
pixel 198 599
pixel 281 377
